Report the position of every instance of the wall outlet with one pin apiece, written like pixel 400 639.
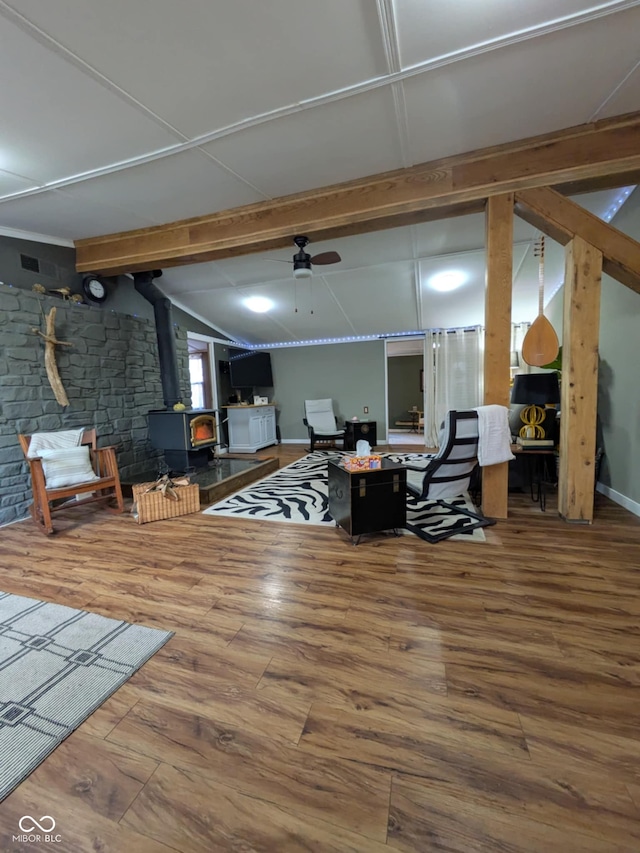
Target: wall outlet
pixel 366 410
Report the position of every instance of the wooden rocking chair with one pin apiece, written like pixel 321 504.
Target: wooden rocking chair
pixel 105 488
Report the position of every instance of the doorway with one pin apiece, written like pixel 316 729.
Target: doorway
pixel 405 390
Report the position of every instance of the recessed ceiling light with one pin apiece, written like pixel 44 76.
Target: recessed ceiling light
pixel 448 280
pixel 259 304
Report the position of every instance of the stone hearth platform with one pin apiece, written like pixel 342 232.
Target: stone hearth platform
pixel 229 473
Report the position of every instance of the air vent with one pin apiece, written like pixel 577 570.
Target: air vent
pixel 45 268
pixel 29 263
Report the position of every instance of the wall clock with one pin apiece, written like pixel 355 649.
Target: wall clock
pixel 94 289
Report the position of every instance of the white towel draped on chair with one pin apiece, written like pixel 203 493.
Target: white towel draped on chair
pixel 494 435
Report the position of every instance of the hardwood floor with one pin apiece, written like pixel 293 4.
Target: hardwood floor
pixel 316 696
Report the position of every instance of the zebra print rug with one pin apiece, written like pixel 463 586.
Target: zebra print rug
pixel 298 494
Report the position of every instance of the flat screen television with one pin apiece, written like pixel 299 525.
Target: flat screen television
pixel 250 369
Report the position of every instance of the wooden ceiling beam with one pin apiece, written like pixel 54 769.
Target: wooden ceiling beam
pixel 604 182
pixel 580 154
pixel 562 220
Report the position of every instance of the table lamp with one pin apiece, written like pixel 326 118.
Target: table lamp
pixel 535 391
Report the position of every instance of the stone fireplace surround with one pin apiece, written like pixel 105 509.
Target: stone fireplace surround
pixel 111 375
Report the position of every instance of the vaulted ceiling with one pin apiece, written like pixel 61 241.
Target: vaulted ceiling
pixel 121 115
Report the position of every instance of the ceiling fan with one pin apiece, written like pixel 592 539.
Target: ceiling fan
pixel 303 262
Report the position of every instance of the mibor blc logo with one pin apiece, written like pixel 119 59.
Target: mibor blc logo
pixel 37 830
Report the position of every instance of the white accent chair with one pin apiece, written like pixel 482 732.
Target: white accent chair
pixel 321 422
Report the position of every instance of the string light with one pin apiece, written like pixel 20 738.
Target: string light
pixel 617 204
pixel 321 341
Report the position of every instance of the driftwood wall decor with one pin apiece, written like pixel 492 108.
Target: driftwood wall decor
pixel 50 357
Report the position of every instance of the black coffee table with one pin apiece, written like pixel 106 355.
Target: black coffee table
pixel 368 501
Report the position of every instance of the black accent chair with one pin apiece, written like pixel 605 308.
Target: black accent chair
pixel 321 422
pixel 448 474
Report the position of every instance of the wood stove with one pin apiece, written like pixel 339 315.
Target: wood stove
pixel 187 438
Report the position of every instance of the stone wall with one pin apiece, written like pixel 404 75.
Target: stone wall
pixel 110 374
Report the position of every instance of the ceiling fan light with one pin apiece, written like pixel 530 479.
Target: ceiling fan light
pixel 302 269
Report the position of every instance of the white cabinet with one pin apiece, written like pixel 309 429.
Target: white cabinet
pixel 251 427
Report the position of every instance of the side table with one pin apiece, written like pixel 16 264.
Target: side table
pixel 368 501
pixel 537 470
pixel 357 430
pixel 415 414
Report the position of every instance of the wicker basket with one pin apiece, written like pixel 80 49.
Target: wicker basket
pixel 154 506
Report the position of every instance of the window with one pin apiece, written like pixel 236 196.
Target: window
pixel 197 380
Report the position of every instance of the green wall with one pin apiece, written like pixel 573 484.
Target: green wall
pixel 352 375
pixel 404 386
pixel 618 395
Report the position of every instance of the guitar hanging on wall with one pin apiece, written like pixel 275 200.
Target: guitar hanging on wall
pixel 540 344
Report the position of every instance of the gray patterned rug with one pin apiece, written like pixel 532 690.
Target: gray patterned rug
pixel 57 665
pixel 299 494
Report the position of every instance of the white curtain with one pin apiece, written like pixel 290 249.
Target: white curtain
pixel 453 375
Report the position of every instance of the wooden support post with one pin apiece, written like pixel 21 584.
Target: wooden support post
pixel 497 340
pixel 579 393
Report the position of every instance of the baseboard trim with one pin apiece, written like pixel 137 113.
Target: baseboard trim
pixel 619 498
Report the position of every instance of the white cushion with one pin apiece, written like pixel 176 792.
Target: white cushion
pixel 54 440
pixel 68 467
pixel 320 416
pixel 323 423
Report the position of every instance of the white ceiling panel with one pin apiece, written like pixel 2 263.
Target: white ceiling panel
pixel 229 320
pixel 461 307
pixel 446 236
pixel 257 268
pixel 626 99
pixel 368 250
pixel 58 214
pixel 195 278
pixel 430 30
pixel 519 91
pixel 377 299
pixel 226 309
pixel 461 234
pixel 203 66
pixel 63 122
pixel 10 183
pixel 177 187
pixel 345 139
pixel 465 233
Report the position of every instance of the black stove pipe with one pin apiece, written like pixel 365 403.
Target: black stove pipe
pixel 167 353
